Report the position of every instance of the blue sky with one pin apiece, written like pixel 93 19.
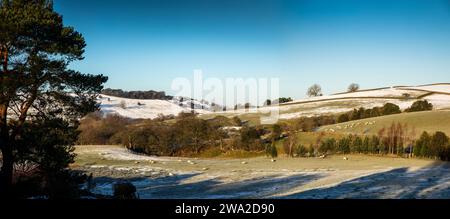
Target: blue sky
pixel 145 44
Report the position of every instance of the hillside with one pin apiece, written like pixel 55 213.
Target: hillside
pixel 430 121
pixel 144 109
pixel 403 96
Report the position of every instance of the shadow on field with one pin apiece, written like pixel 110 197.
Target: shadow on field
pixel 432 181
pixel 174 187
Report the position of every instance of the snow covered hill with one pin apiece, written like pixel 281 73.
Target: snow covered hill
pixel 403 96
pixel 435 93
pixel 148 109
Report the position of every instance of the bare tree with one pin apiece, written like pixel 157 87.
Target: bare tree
pixel 314 91
pixel 291 142
pixel 353 87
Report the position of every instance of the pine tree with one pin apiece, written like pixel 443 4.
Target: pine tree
pixel 365 145
pixel 37 90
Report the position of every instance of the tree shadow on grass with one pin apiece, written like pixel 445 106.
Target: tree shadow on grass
pixel 174 187
pixel 432 181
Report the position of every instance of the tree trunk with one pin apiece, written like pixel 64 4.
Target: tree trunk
pixel 291 144
pixel 6 172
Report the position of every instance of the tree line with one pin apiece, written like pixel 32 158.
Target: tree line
pixel 159 95
pixel 396 140
pixel 387 109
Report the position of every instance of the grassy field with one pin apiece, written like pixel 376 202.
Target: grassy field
pixel 333 177
pixel 430 121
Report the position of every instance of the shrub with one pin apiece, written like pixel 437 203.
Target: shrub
pixel 123 104
pixel 237 121
pixel 271 151
pixel 124 191
pixel 439 141
pixel 301 151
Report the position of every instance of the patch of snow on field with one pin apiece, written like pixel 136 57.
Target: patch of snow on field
pixel 439 101
pixel 119 153
pixel 444 88
pixel 318 110
pixel 382 93
pixel 141 109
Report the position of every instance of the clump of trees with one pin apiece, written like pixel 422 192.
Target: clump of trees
pixel 277 101
pixel 435 146
pixel 397 140
pixel 387 109
pixel 188 135
pixel 307 124
pixel 363 113
pixel 284 99
pixel 98 129
pixel 420 105
pixel 160 95
pixel 183 135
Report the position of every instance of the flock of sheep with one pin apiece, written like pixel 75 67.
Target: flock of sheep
pixel 349 126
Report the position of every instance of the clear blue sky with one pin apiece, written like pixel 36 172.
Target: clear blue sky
pixel 145 44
